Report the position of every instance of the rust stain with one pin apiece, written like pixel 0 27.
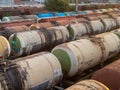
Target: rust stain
pixel 109 75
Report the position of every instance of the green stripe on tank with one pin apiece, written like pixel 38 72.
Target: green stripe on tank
pixel 71 32
pixel 15 45
pixel 64 59
pixel 118 34
pixel 104 24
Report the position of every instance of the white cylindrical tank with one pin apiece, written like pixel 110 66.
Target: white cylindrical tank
pixel 23 43
pixel 38 72
pixel 78 55
pixel 88 85
pixel 111 43
pixel 97 26
pixel 64 32
pixel 18 18
pixel 5 49
pixel 109 24
pixel 77 30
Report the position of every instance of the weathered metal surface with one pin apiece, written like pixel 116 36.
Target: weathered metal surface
pixel 31 17
pixel 82 28
pixel 116 17
pixel 91 17
pixel 116 9
pixel 109 75
pixel 5 49
pixel 40 25
pixel 110 10
pixel 117 32
pixel 63 22
pixel 109 24
pixel 12 18
pixel 88 85
pixel 97 26
pixel 16 23
pixel 111 43
pixel 25 43
pixel 104 10
pixel 52 23
pixel 77 56
pixel 7 31
pixel 104 16
pixel 98 11
pixel 19 18
pixel 36 72
pixel 81 20
pixel 56 18
pixel 64 33
pixel 77 30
